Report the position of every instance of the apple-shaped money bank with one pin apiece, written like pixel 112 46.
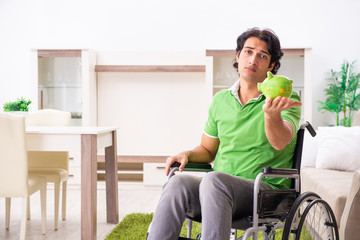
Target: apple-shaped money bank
pixel 275 85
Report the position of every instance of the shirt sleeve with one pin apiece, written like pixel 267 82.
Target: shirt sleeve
pixel 211 129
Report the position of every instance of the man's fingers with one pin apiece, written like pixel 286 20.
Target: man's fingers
pixel 296 104
pixel 169 162
pixel 280 104
pixel 167 169
pixel 181 168
pixel 268 100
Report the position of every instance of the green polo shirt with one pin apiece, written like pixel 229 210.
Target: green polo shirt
pixel 244 149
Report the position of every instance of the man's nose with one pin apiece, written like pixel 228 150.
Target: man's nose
pixel 252 60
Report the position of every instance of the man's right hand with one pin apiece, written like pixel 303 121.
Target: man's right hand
pixel 181 158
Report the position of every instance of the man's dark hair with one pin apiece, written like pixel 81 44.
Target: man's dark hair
pixel 267 36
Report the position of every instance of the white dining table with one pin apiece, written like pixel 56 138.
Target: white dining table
pixel 89 140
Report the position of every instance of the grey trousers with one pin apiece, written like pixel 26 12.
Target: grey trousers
pixel 216 198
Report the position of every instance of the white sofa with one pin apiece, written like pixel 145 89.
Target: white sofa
pixel 331 168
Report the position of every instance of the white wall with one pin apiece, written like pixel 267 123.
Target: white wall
pixel 328 27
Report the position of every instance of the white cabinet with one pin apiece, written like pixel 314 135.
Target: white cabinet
pixel 74 179
pixel 74 168
pixel 295 64
pixel 66 80
pixel 154 174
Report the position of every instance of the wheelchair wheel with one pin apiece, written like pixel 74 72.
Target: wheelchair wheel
pixel 310 218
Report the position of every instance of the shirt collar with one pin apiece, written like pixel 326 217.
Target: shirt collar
pixel 234 89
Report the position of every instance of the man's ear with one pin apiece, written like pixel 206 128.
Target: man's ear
pixel 271 67
pixel 237 56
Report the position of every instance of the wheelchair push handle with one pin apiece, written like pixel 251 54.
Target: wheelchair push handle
pixel 309 127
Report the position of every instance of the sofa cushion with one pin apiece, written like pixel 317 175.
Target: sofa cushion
pixel 331 185
pixel 310 148
pixel 336 148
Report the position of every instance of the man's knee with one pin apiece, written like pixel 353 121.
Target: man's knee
pixel 182 183
pixel 213 177
pixel 213 181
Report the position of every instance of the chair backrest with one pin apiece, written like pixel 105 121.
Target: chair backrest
pixel 49 117
pixel 299 147
pixel 299 144
pixel 13 156
pixel 49 159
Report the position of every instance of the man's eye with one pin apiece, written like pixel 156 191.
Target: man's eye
pixel 263 56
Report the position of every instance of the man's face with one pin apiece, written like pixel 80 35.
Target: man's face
pixel 254 60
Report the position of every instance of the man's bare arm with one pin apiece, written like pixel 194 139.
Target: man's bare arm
pixel 278 131
pixel 204 153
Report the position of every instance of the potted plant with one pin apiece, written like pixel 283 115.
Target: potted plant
pixel 341 94
pixel 21 104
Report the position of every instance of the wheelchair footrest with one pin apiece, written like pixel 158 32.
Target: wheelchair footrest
pixel 274 203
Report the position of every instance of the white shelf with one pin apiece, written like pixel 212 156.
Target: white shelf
pixel 149 68
pixel 123 172
pixel 59 86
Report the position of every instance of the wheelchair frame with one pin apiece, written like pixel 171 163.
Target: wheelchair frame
pixel 291 220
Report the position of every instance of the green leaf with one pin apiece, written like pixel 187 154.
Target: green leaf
pixel 21 104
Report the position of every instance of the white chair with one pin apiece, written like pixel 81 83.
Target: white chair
pixel 14 178
pixel 52 165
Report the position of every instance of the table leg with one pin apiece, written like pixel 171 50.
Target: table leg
pixel 111 177
pixel 88 186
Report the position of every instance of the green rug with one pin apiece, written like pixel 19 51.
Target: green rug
pixel 134 227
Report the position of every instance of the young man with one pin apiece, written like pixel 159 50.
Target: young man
pixel 244 133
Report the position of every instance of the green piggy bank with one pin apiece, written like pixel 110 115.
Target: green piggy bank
pixel 274 86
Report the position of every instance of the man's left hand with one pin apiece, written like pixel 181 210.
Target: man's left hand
pixel 278 105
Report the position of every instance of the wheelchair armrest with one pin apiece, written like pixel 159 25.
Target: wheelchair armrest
pixel 195 167
pixel 175 164
pixel 279 171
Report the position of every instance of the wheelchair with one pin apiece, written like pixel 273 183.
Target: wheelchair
pixel 300 216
